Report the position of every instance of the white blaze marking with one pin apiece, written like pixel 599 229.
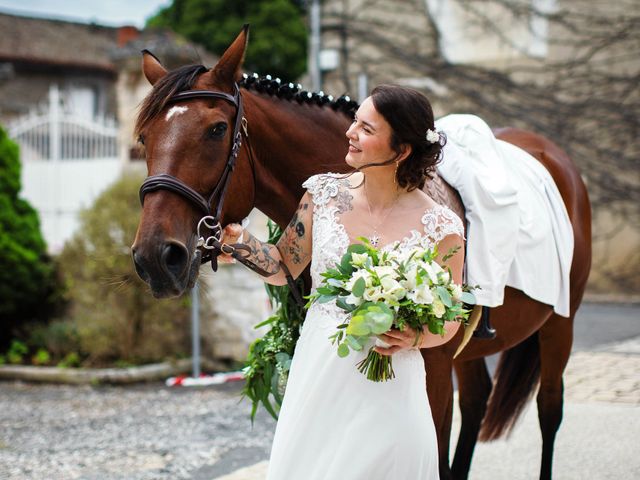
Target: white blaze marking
pixel 174 110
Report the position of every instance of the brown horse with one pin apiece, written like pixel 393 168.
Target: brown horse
pixel 291 135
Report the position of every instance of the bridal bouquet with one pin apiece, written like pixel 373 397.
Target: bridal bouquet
pixel 381 290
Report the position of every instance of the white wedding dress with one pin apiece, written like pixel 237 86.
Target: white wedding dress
pixel 334 423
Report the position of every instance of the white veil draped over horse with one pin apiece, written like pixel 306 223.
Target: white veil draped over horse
pixel 518 229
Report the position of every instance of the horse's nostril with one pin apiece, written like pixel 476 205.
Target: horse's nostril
pixel 142 273
pixel 174 258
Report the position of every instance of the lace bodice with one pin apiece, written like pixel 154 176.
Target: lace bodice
pixel 330 238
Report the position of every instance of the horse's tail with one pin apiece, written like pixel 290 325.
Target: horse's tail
pixel 517 375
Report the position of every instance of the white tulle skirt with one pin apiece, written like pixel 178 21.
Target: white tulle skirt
pixel 336 424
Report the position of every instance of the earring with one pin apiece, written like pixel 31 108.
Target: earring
pixel 395 174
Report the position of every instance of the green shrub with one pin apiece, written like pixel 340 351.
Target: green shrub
pixel 57 338
pixel 28 288
pixel 70 360
pixel 41 357
pixel 17 352
pixel 112 317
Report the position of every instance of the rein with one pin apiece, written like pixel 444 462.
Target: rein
pixel 211 219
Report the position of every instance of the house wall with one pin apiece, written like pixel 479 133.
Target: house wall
pixel 25 90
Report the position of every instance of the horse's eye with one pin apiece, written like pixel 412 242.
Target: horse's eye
pixel 141 139
pixel 218 130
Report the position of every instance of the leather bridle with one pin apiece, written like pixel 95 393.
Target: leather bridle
pixel 212 244
pixel 211 219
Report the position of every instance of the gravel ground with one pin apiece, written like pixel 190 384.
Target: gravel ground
pixel 50 432
pixel 134 433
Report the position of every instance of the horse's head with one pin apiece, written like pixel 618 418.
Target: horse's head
pixel 188 140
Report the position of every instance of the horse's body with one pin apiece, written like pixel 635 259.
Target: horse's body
pixel 292 140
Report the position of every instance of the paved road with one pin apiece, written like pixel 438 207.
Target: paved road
pixel 152 432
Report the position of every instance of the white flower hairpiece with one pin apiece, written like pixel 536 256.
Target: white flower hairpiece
pixel 432 137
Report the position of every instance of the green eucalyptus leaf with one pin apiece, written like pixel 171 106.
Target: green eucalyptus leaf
pixel 343 350
pixel 358 326
pixel 345 264
pixel 357 248
pixel 379 322
pixel 353 343
pixel 444 295
pixel 468 297
pixel 334 282
pixel 325 298
pixel 324 291
pixel 358 287
pixel 342 303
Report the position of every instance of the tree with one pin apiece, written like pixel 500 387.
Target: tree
pixel 27 275
pixel 278 41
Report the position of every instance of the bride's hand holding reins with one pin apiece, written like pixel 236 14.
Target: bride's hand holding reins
pixel 231 234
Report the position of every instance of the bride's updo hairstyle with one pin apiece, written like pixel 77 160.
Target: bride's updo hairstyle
pixel 410 115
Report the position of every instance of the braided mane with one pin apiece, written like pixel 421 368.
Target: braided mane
pixel 183 78
pixel 291 92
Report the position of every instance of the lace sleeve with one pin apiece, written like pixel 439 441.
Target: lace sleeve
pixel 322 188
pixel 439 222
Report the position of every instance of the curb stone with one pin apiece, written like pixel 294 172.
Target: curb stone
pixel 256 471
pixel 91 376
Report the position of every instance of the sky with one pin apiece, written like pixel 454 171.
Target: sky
pixel 105 12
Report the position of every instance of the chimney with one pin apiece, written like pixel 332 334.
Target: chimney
pixel 127 34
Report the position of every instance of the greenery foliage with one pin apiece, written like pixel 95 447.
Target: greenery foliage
pixel 28 289
pixel 278 44
pixel 112 317
pixel 269 359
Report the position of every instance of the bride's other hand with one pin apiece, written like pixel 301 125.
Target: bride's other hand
pixel 407 339
pixel 230 234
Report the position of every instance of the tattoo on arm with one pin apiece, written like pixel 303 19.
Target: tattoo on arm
pixel 291 243
pixel 261 253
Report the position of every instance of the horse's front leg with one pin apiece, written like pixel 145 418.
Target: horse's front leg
pixel 439 367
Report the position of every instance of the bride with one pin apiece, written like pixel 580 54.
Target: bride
pixel 334 423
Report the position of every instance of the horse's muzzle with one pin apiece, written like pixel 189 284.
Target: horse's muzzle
pixel 169 269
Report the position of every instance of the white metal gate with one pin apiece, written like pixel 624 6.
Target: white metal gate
pixel 67 160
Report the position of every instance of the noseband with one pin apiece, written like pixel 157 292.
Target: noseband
pixel 211 219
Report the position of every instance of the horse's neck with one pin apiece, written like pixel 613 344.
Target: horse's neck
pixel 291 142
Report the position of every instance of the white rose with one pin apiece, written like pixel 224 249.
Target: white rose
pixel 438 308
pixel 353 300
pixel 411 275
pixel 372 294
pixel 421 294
pixel 456 291
pixel 355 276
pixel 359 259
pixel 395 255
pixel 392 289
pixel 415 253
pixel 432 271
pixel 384 271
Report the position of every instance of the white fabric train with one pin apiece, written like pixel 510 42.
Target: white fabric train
pixel 518 229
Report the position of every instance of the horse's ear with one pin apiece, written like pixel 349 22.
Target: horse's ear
pixel 229 67
pixel 152 67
